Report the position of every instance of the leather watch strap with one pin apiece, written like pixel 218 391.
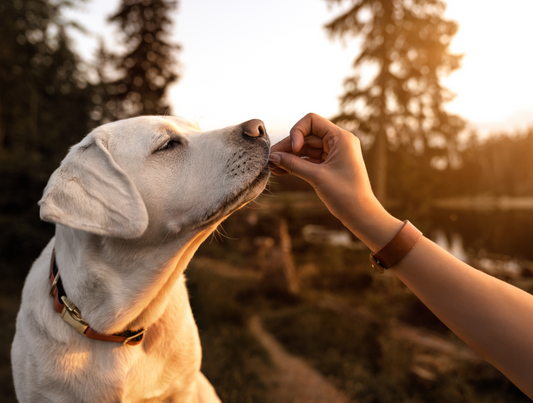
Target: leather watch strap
pixel 397 248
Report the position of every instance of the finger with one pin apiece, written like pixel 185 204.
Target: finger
pixel 310 124
pixel 294 165
pixel 276 170
pixel 313 141
pixel 285 144
pixel 282 145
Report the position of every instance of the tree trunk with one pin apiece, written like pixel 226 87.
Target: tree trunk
pixel 2 130
pixel 286 252
pixel 379 180
pixel 34 116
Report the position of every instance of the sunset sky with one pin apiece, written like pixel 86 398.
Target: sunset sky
pixel 273 60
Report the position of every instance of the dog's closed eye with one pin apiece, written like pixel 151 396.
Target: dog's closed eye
pixel 168 145
pixel 166 139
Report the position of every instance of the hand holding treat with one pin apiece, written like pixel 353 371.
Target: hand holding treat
pixel 330 159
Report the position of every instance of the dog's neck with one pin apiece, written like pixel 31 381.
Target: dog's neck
pixel 123 284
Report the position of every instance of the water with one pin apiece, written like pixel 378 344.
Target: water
pixel 508 233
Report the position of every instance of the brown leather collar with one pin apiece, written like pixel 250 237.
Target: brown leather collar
pixel 72 315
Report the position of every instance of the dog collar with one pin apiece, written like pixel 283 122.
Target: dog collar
pixel 72 315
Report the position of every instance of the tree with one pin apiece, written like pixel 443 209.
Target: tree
pixel 395 96
pixel 135 82
pixel 45 97
pixel 45 104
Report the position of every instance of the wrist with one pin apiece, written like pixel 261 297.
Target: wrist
pixel 372 224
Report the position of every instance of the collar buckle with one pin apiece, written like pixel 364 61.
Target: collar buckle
pixel 72 315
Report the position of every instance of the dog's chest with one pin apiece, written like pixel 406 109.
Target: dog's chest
pixel 130 374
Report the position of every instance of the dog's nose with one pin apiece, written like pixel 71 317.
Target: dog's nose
pixel 254 128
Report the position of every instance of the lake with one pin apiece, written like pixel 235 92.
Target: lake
pixel 507 232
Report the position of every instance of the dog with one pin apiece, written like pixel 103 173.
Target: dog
pixel 105 315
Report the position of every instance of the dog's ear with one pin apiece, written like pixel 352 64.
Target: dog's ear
pixel 90 192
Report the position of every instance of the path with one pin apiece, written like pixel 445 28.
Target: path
pixel 293 380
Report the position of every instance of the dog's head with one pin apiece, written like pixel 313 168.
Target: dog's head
pixel 156 172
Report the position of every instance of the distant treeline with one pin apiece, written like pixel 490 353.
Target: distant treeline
pixel 501 165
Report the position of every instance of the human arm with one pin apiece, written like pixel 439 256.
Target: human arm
pixel 493 317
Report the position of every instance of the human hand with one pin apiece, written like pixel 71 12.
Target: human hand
pixel 330 159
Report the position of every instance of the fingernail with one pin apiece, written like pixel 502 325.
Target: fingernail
pixel 292 145
pixel 275 158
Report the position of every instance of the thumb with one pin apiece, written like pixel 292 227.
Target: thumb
pixel 294 165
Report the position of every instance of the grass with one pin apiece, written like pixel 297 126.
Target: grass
pixel 232 358
pixel 362 360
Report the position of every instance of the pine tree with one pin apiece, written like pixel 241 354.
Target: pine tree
pixel 146 68
pixel 23 31
pixel 45 106
pixel 45 97
pixel 395 96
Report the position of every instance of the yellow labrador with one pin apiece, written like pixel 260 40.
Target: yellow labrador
pixel 131 202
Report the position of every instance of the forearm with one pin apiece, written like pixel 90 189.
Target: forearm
pixel 493 317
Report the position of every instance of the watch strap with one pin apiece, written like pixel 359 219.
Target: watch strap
pixel 397 248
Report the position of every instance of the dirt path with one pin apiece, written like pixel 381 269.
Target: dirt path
pixel 293 381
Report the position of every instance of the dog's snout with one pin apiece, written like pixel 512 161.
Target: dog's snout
pixel 254 128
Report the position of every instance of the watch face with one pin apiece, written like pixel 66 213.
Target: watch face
pixel 376 265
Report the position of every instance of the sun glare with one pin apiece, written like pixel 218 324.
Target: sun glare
pixel 494 82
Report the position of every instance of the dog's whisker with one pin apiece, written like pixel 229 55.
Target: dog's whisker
pixel 259 206
pixel 223 234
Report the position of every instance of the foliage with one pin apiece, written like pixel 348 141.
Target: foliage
pixel 136 80
pixel 412 183
pixel 499 166
pixel 45 96
pixel 395 98
pixel 45 105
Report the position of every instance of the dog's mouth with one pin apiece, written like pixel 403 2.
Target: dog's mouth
pixel 249 192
